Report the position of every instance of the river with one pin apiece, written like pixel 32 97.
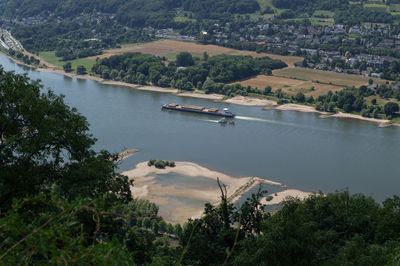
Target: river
pixel 299 149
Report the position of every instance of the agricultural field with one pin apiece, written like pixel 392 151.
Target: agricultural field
pixel 51 58
pixel 324 13
pixel 169 48
pixel 322 21
pixel 394 9
pixel 330 78
pixel 376 6
pixel 290 86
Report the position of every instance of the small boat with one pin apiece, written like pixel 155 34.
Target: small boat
pixel 226 121
pixel 198 109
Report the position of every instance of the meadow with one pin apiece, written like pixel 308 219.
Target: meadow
pixel 51 58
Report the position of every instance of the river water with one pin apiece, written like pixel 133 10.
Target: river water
pixel 298 149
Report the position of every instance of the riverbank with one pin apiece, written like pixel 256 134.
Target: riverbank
pixel 238 100
pixel 381 122
pixel 179 201
pixel 311 109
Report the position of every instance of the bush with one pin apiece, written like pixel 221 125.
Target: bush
pixel 282 101
pixel 160 164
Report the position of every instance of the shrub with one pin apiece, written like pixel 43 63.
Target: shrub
pixel 160 164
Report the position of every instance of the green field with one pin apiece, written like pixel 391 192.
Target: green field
pixel 376 6
pixel 323 13
pixel 183 19
pixel 322 21
pixel 52 59
pixel 394 8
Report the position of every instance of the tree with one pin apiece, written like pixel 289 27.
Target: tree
pixel 267 90
pixel 81 70
pixel 205 56
pixel 300 97
pixel 45 145
pixel 184 59
pixel 68 67
pixel 391 108
pixel 69 235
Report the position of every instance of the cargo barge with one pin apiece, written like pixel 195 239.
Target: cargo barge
pixel 198 109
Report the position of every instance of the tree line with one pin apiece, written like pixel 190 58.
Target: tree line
pixel 185 73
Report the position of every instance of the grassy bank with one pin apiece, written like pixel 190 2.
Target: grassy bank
pixel 53 59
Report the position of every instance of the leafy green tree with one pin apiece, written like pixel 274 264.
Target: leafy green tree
pixel 391 108
pixel 67 67
pixel 178 229
pixel 81 70
pixel 170 228
pixel 162 226
pixel 141 78
pixel 146 222
pixel 184 59
pixel 45 145
pixel 300 97
pixel 205 56
pixel 267 90
pixel 154 226
pixel 46 229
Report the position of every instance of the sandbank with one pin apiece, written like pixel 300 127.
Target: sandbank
pixel 201 95
pixel 179 202
pixel 250 101
pixel 298 108
pixel 154 88
pixel 283 195
pixel 381 122
pixel 126 154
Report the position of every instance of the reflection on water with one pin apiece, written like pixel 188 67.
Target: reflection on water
pixel 298 149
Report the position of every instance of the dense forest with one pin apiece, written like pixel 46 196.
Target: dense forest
pixel 133 12
pixel 185 73
pixel 62 201
pixel 310 5
pixel 214 8
pixel 356 14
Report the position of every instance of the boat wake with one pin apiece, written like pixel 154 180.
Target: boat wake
pixel 209 120
pixel 248 118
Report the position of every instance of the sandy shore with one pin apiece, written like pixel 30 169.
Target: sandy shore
pixel 310 109
pixel 381 122
pixel 283 195
pixel 298 108
pixel 250 101
pixel 214 97
pixel 180 201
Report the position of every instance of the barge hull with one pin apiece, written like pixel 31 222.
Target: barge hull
pixel 198 111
